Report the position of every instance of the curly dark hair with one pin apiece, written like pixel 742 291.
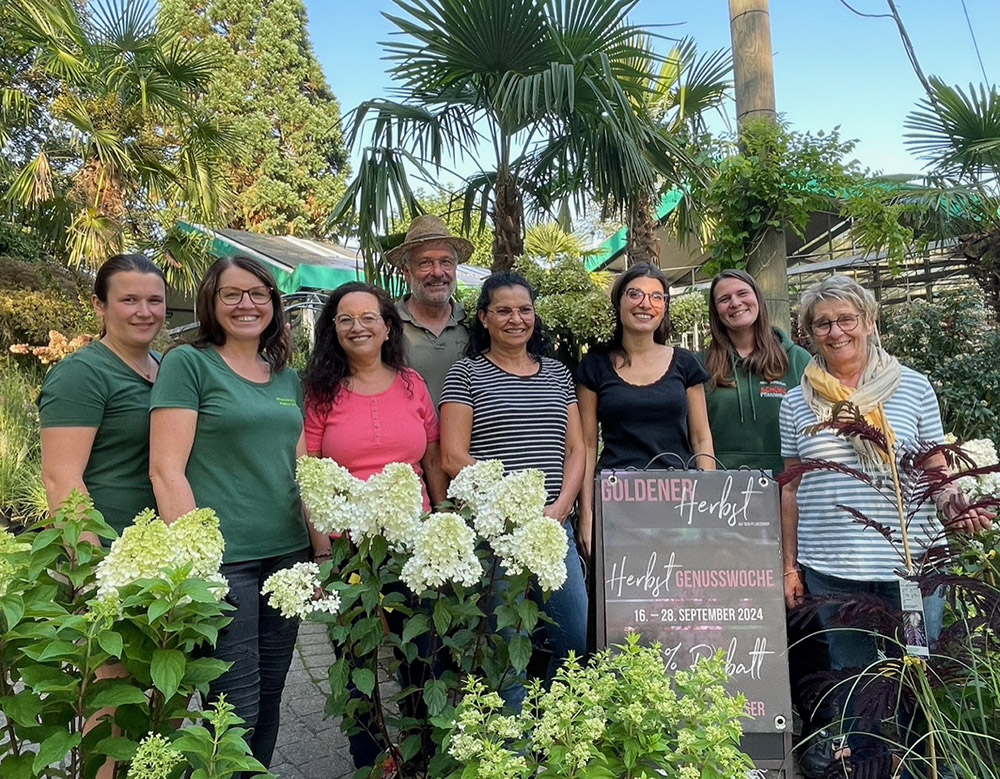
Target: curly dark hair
pixel 538 345
pixel 646 270
pixel 328 366
pixel 275 343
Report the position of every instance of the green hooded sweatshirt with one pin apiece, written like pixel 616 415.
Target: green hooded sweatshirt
pixel 744 418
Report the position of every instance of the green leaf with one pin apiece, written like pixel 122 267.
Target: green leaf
pixel 507 616
pixel 13 609
pixel 520 652
pixel 115 694
pixel 158 608
pixel 415 626
pixel 17 767
pixel 411 747
pixel 117 747
pixel 54 748
pixel 204 670
pixel 364 680
pixel 22 708
pixel 167 670
pixel 527 609
pixel 435 696
pixel 442 616
pixel 111 642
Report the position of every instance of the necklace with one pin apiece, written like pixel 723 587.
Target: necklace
pixel 146 373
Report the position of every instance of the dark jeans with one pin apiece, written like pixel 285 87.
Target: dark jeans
pixel 259 643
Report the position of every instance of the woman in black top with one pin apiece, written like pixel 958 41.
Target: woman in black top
pixel 648 397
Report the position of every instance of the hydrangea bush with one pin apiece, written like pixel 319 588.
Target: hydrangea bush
pixel 115 636
pixel 620 716
pixel 434 589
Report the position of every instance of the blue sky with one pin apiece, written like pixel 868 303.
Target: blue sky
pixel 831 66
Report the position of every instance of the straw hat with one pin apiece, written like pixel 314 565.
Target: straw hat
pixel 428 228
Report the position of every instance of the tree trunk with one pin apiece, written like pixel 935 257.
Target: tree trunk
pixel 642 245
pixel 508 225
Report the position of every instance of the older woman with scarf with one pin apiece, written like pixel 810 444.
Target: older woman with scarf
pixel 824 549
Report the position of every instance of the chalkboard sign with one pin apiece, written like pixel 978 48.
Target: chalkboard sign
pixel 692 559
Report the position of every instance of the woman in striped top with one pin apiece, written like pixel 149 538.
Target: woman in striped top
pixel 823 547
pixel 506 401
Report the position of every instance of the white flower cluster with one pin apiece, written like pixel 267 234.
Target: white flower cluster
pixel 445 551
pixel 507 512
pixel 148 547
pixel 540 546
pixel 983 453
pixel 292 592
pixel 390 503
pixel 329 491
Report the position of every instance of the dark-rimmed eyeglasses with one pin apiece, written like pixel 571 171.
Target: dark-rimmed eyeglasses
pixel 233 296
pixel 846 323
pixel 636 295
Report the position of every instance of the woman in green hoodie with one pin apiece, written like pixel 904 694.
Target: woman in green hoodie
pixel 751 366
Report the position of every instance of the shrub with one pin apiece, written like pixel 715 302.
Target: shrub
pixel 954 340
pixel 36 297
pixel 22 497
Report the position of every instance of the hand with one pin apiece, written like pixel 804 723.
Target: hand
pixel 960 516
pixel 795 589
pixel 585 538
pixel 556 512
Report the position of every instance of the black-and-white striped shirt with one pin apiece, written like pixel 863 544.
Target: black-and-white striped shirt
pixel 521 420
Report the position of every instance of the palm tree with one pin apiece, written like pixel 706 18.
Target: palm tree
pixel 129 155
pixel 505 79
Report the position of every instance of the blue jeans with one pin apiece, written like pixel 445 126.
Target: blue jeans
pixel 855 647
pixel 259 643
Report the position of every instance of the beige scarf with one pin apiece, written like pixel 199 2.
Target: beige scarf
pixel 879 381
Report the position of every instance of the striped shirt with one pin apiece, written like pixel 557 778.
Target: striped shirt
pixel 520 420
pixel 829 541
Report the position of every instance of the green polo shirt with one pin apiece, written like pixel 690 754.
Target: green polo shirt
pixel 432 355
pixel 94 388
pixel 242 461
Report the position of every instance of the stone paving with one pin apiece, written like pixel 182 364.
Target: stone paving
pixel 309 745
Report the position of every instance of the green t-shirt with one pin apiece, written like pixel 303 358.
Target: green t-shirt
pixel 94 388
pixel 242 461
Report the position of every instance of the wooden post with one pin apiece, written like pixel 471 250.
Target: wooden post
pixel 753 81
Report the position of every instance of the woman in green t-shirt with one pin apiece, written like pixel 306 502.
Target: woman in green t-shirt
pixel 225 431
pixel 94 404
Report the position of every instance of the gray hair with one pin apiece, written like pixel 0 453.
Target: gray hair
pixel 836 288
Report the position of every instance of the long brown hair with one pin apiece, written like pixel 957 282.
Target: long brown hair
pixel 768 358
pixel 275 343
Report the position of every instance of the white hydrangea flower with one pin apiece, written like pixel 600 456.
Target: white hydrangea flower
pixel 329 492
pixel 149 546
pixel 445 551
pixel 983 453
pixel 392 503
pixel 540 546
pixel 475 483
pixel 292 592
pixel 521 496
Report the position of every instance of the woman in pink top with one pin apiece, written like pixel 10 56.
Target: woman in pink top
pixel 364 407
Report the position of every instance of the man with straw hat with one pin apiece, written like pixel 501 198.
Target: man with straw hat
pixel 433 323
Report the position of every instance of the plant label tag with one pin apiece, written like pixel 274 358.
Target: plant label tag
pixel 914 629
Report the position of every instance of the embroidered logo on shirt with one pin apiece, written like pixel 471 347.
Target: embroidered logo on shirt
pixel 287 402
pixel 775 389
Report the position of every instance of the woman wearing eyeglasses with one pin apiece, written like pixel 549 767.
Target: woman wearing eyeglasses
pixel 647 397
pixel 826 551
pixel 225 430
pixel 508 401
pixel 366 409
